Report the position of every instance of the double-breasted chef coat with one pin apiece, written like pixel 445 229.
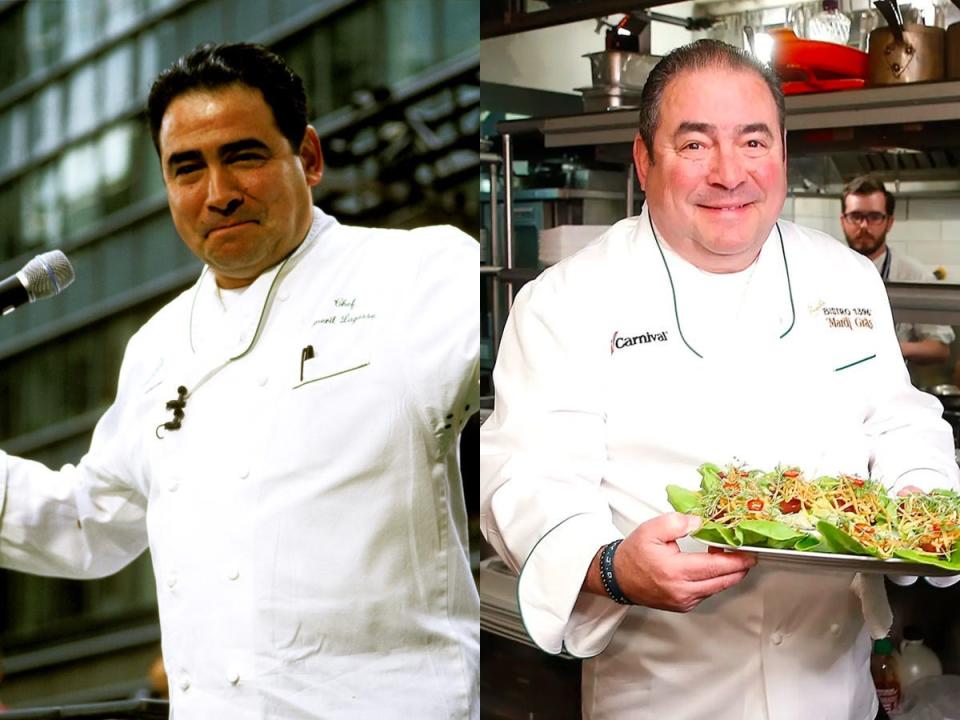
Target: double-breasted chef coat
pixel 618 375
pixel 306 522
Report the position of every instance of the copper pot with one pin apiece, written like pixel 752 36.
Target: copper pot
pixel 918 57
pixel 953 51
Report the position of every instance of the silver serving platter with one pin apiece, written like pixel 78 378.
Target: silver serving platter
pixel 834 561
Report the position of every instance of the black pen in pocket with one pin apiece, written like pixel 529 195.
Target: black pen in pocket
pixel 305 354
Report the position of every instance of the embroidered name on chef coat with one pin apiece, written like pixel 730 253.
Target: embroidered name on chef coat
pixel 619 343
pixel 847 318
pixel 344 313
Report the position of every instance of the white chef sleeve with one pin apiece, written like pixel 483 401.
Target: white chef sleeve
pixel 910 443
pixel 442 327
pixel 86 521
pixel 542 457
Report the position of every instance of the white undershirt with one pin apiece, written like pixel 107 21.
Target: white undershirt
pixel 708 300
pixel 229 297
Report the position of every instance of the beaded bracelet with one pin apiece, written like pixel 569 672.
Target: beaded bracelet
pixel 607 577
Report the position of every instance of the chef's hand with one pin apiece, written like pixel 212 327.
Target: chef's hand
pixel 905 580
pixel 652 571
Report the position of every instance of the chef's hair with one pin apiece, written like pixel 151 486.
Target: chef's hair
pixel 213 67
pixel 700 55
pixel 867 185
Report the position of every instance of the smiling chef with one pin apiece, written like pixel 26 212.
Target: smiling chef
pixel 284 436
pixel 703 330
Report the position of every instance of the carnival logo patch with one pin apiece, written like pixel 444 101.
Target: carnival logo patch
pixel 618 342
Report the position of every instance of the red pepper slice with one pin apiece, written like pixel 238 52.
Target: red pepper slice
pixel 755 505
pixel 858 482
pixel 790 506
pixel 791 473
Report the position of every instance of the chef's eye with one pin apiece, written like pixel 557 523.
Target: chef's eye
pixel 247 157
pixel 186 169
pixel 693 146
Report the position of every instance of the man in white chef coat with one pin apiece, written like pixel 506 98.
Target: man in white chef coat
pixel 702 330
pixel 867 217
pixel 284 437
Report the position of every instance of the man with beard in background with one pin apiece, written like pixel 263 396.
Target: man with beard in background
pixel 866 220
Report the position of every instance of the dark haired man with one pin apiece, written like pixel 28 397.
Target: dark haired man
pixel 765 342
pixel 284 436
pixel 866 219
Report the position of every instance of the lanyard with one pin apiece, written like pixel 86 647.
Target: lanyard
pixel 885 270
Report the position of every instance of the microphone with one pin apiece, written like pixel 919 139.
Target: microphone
pixel 48 274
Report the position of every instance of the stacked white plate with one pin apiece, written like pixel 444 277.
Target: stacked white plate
pixel 564 240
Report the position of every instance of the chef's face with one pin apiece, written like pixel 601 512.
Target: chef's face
pixel 717 180
pixel 866 237
pixel 238 193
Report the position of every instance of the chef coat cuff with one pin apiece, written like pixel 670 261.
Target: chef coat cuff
pixel 555 614
pixel 926 479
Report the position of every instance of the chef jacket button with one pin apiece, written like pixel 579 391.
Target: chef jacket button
pixel 171 579
pixel 184 683
pixel 234 677
pixel 283 296
pixel 262 380
pixel 244 473
pixel 835 629
pixel 233 573
pixel 173 485
pixel 776 638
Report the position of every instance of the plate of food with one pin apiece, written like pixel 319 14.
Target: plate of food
pixel 841 522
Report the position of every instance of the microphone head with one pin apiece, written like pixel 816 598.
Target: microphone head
pixel 48 274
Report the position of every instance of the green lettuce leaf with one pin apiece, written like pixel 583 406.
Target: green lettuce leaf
pixel 713 532
pixel 951 563
pixel 683 500
pixel 769 533
pixel 709 476
pixel 840 542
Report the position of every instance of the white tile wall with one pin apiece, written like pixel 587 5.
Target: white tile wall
pixel 927 229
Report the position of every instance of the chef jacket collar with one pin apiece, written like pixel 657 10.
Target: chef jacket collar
pixel 212 329
pixel 769 259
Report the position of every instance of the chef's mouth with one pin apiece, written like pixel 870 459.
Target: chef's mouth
pixel 725 206
pixel 230 226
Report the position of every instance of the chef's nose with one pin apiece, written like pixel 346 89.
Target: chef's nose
pixel 727 168
pixel 223 191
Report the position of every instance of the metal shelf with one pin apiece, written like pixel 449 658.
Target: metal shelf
pixel 925 302
pixel 918 102
pixel 560 194
pixel 118 710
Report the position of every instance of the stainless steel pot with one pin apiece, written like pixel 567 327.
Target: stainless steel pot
pixel 620 68
pixel 918 57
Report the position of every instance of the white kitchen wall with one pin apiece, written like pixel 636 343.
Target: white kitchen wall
pixel 925 229
pixel 551 58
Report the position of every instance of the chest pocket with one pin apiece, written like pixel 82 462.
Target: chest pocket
pixel 328 351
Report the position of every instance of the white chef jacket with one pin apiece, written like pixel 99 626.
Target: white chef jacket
pixel 308 534
pixel 901 268
pixel 611 385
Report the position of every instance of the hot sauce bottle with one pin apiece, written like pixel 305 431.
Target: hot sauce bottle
pixel 883 667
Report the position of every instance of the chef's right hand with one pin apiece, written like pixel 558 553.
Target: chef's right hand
pixel 652 571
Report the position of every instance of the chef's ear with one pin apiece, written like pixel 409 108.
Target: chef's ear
pixel 311 157
pixel 641 160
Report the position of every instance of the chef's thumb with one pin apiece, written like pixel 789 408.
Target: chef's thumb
pixel 672 526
